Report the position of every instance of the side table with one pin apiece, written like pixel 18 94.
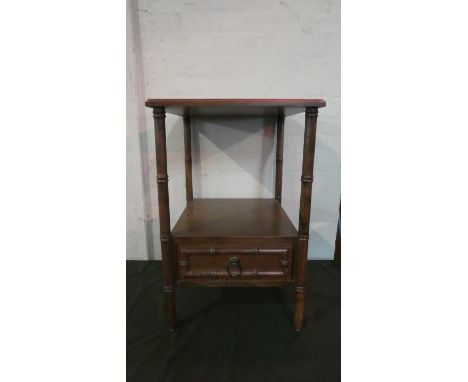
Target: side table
pixel 234 242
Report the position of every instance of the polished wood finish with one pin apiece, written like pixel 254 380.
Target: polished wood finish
pixel 188 157
pixel 279 157
pixel 159 116
pixel 233 218
pixel 304 212
pixel 221 283
pixel 234 262
pixel 257 232
pixel 235 242
pixel 235 107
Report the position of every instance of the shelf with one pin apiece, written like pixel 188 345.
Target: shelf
pixel 233 218
pixel 234 107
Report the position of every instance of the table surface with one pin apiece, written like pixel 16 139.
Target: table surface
pixel 234 106
pixel 234 218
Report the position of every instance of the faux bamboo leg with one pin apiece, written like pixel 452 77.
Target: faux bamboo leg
pixel 188 157
pixel 279 157
pixel 304 213
pixel 159 116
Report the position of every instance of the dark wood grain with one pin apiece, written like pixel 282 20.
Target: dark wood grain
pixel 235 242
pixel 159 116
pixel 228 218
pixel 234 107
pixel 234 262
pixel 242 283
pixel 188 157
pixel 304 212
pixel 279 157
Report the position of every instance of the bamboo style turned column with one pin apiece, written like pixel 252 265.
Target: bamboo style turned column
pixel 279 157
pixel 188 157
pixel 311 115
pixel 159 116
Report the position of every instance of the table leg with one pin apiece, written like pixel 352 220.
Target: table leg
pixel 188 157
pixel 304 212
pixel 159 116
pixel 279 157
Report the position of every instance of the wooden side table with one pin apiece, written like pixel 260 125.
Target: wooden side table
pixel 234 242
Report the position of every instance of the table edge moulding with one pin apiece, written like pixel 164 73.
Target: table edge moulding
pixel 234 242
pixel 239 107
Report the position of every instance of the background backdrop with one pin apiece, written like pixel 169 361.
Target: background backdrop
pixel 232 49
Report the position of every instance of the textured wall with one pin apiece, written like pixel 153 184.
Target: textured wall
pixel 234 49
pixel 136 238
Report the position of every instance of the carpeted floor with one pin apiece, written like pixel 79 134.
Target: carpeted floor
pixel 233 334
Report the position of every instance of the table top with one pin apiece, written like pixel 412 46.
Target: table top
pixel 235 106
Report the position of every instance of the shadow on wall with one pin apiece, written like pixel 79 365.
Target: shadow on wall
pixel 248 143
pixel 325 189
pixel 319 247
pixel 248 146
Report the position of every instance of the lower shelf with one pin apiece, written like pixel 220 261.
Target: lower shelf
pixel 234 242
pixel 233 218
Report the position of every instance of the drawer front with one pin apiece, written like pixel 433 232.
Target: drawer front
pixel 234 263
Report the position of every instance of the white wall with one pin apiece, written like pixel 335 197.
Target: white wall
pixel 232 49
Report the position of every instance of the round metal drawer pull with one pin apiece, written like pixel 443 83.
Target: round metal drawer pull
pixel 234 267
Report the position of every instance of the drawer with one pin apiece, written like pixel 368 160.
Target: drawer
pixel 227 262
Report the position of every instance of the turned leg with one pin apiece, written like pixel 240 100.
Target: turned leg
pixel 159 116
pixel 304 213
pixel 188 157
pixel 279 157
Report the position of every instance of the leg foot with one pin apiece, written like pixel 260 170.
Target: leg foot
pixel 299 310
pixel 169 302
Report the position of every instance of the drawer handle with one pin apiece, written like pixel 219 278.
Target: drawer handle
pixel 234 267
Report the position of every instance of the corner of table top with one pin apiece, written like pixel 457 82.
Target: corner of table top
pixel 233 102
